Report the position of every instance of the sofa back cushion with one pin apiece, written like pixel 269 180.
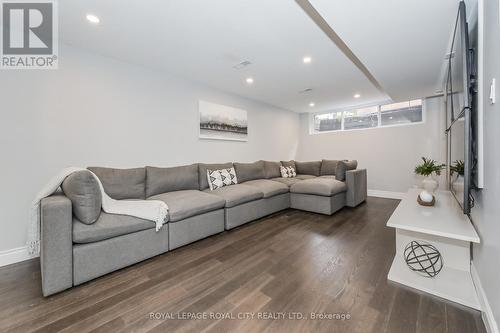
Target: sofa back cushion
pixel 308 168
pixel 328 167
pixel 162 180
pixel 272 169
pixel 82 189
pixel 343 166
pixel 249 171
pixel 122 183
pixel 290 163
pixel 202 172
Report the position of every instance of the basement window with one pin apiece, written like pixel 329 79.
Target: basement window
pixel 394 114
pixel 401 113
pixel 361 118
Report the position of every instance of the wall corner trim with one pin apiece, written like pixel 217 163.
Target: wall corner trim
pixel 386 194
pixel 15 255
pixel 486 312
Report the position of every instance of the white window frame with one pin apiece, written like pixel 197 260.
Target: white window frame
pixel 312 131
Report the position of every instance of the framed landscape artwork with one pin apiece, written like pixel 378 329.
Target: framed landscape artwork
pixel 220 122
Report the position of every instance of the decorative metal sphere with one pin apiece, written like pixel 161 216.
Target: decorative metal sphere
pixel 423 258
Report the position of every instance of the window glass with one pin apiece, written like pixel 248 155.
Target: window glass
pixel 401 113
pixel 361 118
pixel 328 122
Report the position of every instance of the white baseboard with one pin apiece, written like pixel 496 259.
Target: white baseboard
pixel 486 313
pixel 386 194
pixel 13 256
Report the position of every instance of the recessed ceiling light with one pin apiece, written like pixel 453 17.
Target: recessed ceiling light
pixel 93 19
pixel 357 96
pixel 249 80
pixel 307 60
pixel 312 104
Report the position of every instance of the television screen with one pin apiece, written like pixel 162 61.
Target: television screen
pixel 459 113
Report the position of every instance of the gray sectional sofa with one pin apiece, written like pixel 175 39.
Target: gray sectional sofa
pixel 79 242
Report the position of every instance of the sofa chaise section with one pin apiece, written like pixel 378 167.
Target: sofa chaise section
pixel 319 195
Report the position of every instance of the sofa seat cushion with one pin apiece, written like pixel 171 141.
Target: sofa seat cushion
pixel 238 194
pixel 287 181
pixel 319 186
pixel 108 226
pixel 303 177
pixel 187 203
pixel 328 177
pixel 269 188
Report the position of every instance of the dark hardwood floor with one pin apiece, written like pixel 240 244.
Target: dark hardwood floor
pixel 290 264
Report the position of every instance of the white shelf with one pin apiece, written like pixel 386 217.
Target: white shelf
pixel 452 284
pixel 445 219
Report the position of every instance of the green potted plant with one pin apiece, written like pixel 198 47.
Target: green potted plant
pixel 457 175
pixel 429 169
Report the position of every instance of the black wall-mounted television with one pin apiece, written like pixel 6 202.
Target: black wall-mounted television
pixel 460 109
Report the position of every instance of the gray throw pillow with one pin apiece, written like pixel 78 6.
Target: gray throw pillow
pixel 162 180
pixel 308 168
pixel 328 167
pixel 290 163
pixel 272 169
pixel 343 166
pixel 249 171
pixel 82 189
pixel 122 183
pixel 202 172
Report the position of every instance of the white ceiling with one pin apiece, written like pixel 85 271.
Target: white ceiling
pixel 402 43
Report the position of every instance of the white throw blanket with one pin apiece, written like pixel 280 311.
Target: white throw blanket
pixel 153 210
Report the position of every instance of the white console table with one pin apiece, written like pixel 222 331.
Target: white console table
pixel 450 231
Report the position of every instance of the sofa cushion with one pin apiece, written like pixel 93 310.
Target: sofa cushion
pixel 290 163
pixel 328 167
pixel 272 169
pixel 238 194
pixel 202 172
pixel 249 171
pixel 287 181
pixel 82 188
pixel 328 177
pixel 161 180
pixel 268 187
pixel 343 166
pixel 187 203
pixel 302 177
pixel 319 186
pixel 108 226
pixel 122 183
pixel 308 168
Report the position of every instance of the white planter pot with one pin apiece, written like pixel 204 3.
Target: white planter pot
pixel 430 184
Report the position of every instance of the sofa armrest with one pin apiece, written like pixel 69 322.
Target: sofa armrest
pixel 56 246
pixel 356 187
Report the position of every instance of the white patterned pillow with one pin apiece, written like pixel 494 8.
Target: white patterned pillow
pixel 288 172
pixel 221 177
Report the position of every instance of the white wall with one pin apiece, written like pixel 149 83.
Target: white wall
pixel 99 111
pixel 389 154
pixel 486 213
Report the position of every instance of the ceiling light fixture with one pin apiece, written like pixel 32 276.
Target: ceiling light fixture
pixel 312 104
pixel 307 60
pixel 357 96
pixel 93 19
pixel 249 80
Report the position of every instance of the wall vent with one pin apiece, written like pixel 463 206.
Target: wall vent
pixel 242 64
